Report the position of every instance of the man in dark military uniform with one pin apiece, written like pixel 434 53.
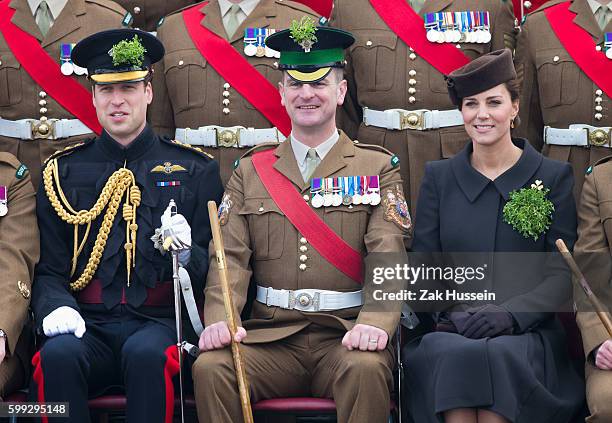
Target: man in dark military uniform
pixel 304 241
pixel 43 105
pixel 108 313
pixel 20 251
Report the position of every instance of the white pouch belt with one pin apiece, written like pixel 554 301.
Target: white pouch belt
pixel 419 120
pixel 579 135
pixel 308 299
pixel 234 136
pixel 52 129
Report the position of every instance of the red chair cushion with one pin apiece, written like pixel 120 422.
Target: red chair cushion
pixel 296 404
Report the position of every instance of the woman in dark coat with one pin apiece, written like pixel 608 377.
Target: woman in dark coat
pixel 496 362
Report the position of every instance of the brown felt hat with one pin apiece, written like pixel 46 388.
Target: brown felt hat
pixel 481 74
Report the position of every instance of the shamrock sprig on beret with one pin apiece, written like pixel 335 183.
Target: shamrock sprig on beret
pixel 528 210
pixel 128 52
pixel 303 32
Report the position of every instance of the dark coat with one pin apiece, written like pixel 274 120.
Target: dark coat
pixel 83 174
pixel 525 377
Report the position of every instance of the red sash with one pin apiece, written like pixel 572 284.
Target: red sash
pixel 322 7
pixel 331 247
pixel 71 95
pixel 410 27
pixel 236 70
pixel 580 46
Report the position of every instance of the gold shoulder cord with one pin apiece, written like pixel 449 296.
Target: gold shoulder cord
pixel 120 182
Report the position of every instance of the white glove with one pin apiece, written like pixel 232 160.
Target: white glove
pixel 176 232
pixel 63 320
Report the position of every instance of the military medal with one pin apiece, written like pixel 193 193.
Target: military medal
pixel 431 27
pixel 347 190
pixel 268 51
pixel 358 190
pixel 250 42
pixel 261 50
pixel 66 68
pixel 374 188
pixel 608 44
pixel 337 192
pixel 365 198
pixel 486 37
pixel 3 201
pixel 327 192
pixel 315 193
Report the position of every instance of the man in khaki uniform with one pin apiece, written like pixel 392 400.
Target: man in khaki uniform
pixel 19 244
pixel 308 333
pixel 191 93
pixel 386 73
pixel 148 14
pixel 56 24
pixel 557 93
pixel 592 252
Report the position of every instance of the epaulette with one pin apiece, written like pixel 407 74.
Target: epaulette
pixel 190 147
pixel 373 147
pixel 597 163
pixel 70 149
pixel 297 6
pixel 260 147
pixel 108 4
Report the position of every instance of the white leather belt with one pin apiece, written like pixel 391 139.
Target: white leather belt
pixel 308 299
pixel 579 135
pixel 31 129
pixel 419 120
pixel 234 136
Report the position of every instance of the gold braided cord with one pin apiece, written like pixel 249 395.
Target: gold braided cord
pixel 120 182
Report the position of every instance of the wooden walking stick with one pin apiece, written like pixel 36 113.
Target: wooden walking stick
pixel 599 309
pixel 243 384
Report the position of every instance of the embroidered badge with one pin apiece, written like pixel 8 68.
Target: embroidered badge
pixel 168 168
pixel 127 19
pixel 168 183
pixel 224 209
pixel 528 211
pixel 236 163
pixel 21 172
pixel 589 170
pixel 396 208
pixel 395 161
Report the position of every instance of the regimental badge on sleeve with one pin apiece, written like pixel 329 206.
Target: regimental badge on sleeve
pixel 224 209
pixel 396 208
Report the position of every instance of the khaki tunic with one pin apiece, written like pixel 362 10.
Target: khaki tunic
pixel 22 98
pixel 380 67
pixel 556 92
pixel 19 252
pixel 593 255
pixel 147 13
pixel 188 91
pixel 262 243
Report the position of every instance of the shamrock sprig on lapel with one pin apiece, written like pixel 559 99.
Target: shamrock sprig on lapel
pixel 528 210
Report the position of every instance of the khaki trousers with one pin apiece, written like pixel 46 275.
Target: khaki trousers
pixel 310 363
pixel 598 393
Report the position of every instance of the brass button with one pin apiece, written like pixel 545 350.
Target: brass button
pixel 43 129
pixel 306 197
pixel 412 72
pixel 410 48
pixel 42 94
pixel 527 4
pixel 412 56
pixel 303 240
pixel 43 118
pixel 598 108
pixel 598 48
pixel 42 103
pixel 226 102
pixel 598 99
pixel 226 85
pixel 136 10
pixel 458 45
pixel 181 63
pixel 302 267
pixel 0 62
pixel 412 81
pixel 556 59
pixel 303 248
pixel 303 258
pixel 368 43
pixel 411 90
pixel 226 93
pixel 226 111
pixel 411 99
pixel 275 64
pixel 599 92
pixel 598 116
pixel 43 110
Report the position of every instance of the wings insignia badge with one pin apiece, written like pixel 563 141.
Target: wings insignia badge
pixel 168 168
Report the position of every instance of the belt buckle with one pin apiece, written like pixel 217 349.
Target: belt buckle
pixel 598 137
pixel 228 137
pixel 42 129
pixel 412 120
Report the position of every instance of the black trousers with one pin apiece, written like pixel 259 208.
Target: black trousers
pixel 130 352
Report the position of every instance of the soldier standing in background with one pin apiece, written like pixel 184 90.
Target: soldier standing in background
pixel 45 104
pixel 397 94
pixel 566 89
pixel 216 86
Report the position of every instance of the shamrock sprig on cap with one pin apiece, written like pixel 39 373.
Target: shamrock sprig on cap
pixel 303 32
pixel 128 52
pixel 528 211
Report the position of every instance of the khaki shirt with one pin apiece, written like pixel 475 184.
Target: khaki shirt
pixel 22 98
pixel 381 68
pixel 262 243
pixel 188 92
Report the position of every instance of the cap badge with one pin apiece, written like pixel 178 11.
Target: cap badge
pixel 303 33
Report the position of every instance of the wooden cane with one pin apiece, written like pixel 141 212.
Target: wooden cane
pixel 243 384
pixel 599 309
